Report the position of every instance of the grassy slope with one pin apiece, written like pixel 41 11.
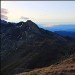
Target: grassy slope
pixel 66 67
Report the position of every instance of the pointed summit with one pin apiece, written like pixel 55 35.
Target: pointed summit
pixel 28 21
pixel 32 26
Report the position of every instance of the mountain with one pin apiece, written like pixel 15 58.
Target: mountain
pixel 61 28
pixel 25 46
pixel 3 21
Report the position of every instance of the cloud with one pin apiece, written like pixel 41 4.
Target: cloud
pixel 4 17
pixel 47 25
pixel 24 18
pixel 4 13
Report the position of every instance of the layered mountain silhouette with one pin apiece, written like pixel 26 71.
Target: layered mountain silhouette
pixel 25 46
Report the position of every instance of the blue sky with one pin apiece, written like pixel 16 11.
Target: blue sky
pixel 46 13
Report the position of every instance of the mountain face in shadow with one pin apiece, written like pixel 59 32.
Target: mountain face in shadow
pixel 26 46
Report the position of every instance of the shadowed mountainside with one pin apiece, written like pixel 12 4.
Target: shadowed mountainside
pixel 25 46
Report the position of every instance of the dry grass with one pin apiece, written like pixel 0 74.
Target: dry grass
pixel 67 67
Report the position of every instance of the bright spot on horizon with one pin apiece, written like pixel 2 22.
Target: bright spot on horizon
pixel 45 13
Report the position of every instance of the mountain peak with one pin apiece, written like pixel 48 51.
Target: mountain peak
pixel 28 21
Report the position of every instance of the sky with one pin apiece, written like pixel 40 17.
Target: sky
pixel 45 13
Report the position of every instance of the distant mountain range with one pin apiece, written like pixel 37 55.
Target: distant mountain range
pixel 25 46
pixel 61 28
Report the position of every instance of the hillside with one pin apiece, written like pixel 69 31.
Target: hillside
pixel 25 46
pixel 65 67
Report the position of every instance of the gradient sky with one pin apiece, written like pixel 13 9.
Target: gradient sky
pixel 46 13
